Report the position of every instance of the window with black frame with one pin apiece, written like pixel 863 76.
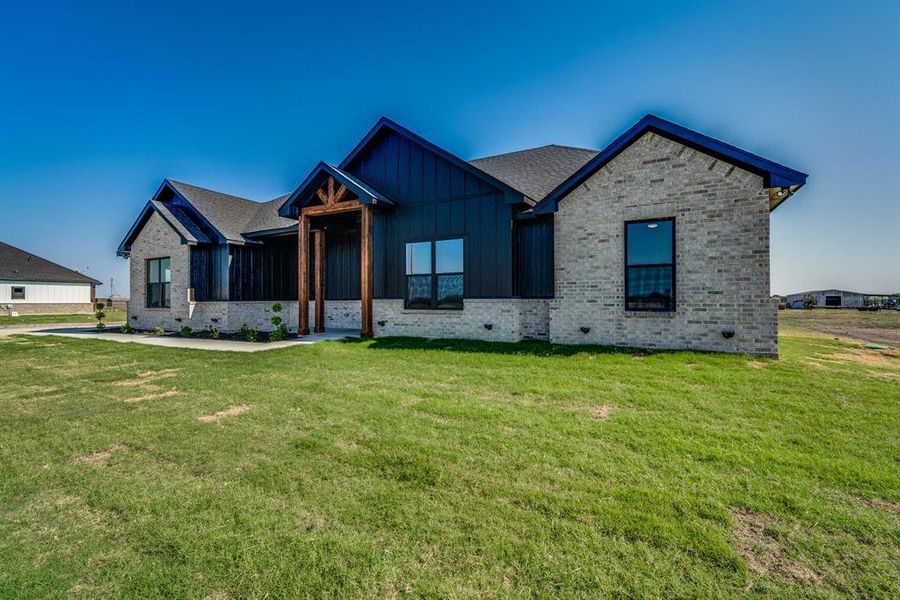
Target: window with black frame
pixel 434 274
pixel 159 282
pixel 18 292
pixel 650 265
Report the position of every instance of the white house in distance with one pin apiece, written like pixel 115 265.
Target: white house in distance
pixel 31 285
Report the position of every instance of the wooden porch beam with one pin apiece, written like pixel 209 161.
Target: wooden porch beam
pixel 365 278
pixel 303 274
pixel 319 243
pixel 349 205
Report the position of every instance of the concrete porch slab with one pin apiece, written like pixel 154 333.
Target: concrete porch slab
pixel 92 333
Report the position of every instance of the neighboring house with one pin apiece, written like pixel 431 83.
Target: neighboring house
pixel 660 240
pixel 31 285
pixel 841 299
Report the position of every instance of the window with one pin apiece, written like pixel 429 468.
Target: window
pixel 159 282
pixel 18 292
pixel 434 274
pixel 650 265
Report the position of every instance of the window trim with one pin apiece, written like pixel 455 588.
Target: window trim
pixel 162 295
pixel 626 268
pixel 433 303
pixel 13 295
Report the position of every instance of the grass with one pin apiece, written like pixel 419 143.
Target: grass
pixel 111 315
pixel 845 317
pixel 447 469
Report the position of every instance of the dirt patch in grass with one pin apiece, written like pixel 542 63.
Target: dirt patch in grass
pixel 152 396
pixel 758 544
pixel 755 364
pixel 228 412
pixel 601 413
pixel 876 503
pixel 97 458
pixel 160 374
pixel 871 358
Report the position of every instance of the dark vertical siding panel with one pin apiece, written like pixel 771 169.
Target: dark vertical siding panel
pixel 435 198
pixel 534 259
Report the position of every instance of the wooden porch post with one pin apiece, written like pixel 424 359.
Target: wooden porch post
pixel 365 278
pixel 319 242
pixel 303 274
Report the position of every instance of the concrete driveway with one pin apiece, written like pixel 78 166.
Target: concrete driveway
pixel 92 333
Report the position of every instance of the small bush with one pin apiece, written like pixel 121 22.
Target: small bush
pixel 809 301
pixel 248 333
pixel 126 328
pixel 185 331
pixel 100 314
pixel 214 332
pixel 159 331
pixel 281 331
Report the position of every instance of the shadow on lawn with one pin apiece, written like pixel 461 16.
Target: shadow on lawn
pixel 525 348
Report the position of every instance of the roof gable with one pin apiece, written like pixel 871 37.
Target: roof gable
pixel 774 175
pixel 306 191
pixel 18 265
pixel 385 125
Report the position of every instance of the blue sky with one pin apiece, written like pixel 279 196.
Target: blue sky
pixel 101 101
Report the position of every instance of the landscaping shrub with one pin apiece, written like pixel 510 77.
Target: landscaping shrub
pixel 281 331
pixel 214 332
pixel 126 328
pixel 248 333
pixel 185 331
pixel 100 314
pixel 159 331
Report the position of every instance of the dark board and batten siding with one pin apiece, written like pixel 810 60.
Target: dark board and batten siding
pixel 435 199
pixel 534 258
pixel 209 273
pixel 264 272
pixel 341 266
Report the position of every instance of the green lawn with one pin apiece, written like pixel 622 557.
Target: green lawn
pixel 111 315
pixel 447 469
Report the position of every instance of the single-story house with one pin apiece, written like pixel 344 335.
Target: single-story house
pixel 659 240
pixel 31 285
pixel 841 299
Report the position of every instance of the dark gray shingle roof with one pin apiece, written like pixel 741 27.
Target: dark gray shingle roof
pixel 537 171
pixel 18 265
pixel 231 215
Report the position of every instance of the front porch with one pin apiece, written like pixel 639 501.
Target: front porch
pixel 331 203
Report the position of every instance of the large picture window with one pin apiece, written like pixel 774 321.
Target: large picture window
pixel 650 265
pixel 434 274
pixel 159 282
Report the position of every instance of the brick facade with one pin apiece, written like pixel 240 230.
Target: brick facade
pixel 48 308
pixel 510 320
pixel 722 253
pixel 158 240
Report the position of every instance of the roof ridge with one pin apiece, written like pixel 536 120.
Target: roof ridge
pixel 175 182
pixel 535 148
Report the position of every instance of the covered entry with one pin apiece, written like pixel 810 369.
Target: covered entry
pixel 333 204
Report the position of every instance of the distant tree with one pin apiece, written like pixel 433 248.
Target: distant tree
pixel 809 301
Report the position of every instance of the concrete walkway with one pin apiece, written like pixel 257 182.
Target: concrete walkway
pixel 91 333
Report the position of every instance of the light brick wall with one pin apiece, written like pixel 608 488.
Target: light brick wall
pixel 511 320
pixel 158 240
pixel 722 253
pixel 49 308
